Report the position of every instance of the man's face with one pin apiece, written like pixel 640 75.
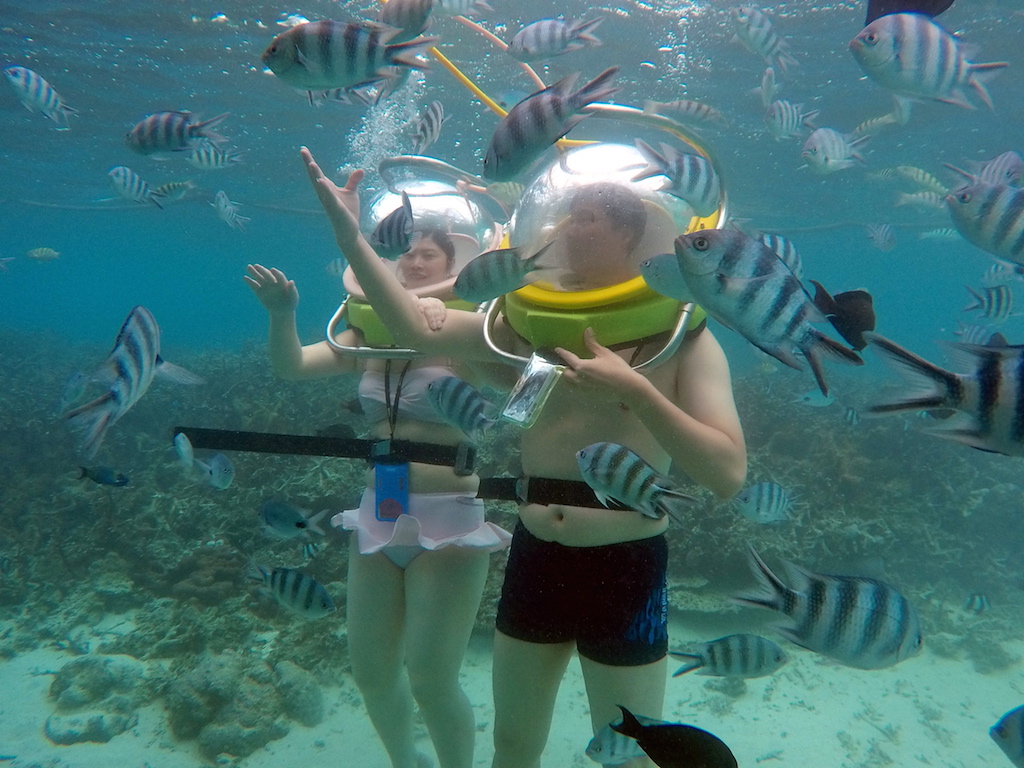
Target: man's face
pixel 594 245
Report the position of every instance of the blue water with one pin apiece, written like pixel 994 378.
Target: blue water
pixel 116 63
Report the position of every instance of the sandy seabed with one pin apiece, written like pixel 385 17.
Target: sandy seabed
pixel 926 711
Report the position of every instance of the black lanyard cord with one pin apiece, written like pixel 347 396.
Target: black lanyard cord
pixel 389 404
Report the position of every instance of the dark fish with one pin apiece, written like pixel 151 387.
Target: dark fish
pixel 851 313
pixel 103 475
pixel 675 745
pixel 1008 733
pixel 879 8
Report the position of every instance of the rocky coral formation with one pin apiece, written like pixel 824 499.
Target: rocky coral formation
pixel 235 705
pixel 102 695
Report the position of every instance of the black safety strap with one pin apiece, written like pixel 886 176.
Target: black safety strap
pixel 460 457
pixel 542 490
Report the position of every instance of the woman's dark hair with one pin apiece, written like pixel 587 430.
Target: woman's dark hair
pixel 621 205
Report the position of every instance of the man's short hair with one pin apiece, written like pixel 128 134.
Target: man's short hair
pixel 621 205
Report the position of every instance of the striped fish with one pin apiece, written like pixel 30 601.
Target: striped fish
pixel 685 111
pixel 39 96
pixel 1008 733
pixel 925 200
pixel 174 190
pixel 129 370
pixel 496 273
pixel 470 8
pixel 741 655
pixel 164 132
pixel 743 284
pixel 971 333
pixel 459 404
pixel 994 302
pixel 786 120
pixel 764 503
pixel 882 236
pixel 1007 168
pixel 755 31
pixel 922 178
pixel 227 211
pixel 295 590
pixel 690 177
pixel 615 473
pixel 209 156
pixel 130 186
pixel 538 121
pixel 322 55
pixel 428 126
pixel 857 621
pixel 991 216
pixel 989 395
pixel 1000 273
pixel 548 38
pixel 875 124
pixel 785 250
pixel 769 87
pixel 391 237
pixel 411 17
pixel 827 150
pixel 911 55
pixel 43 254
pixel 941 233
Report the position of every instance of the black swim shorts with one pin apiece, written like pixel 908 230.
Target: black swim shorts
pixel 612 600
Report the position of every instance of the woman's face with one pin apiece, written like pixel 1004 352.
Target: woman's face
pixel 423 264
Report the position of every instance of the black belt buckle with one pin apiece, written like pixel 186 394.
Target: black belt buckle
pixel 465 459
pixel 380 450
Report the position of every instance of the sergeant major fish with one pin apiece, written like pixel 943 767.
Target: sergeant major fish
pixel 39 96
pixel 994 302
pixel 130 186
pixel 227 211
pixel 460 405
pixel 755 31
pixel 548 38
pixel 129 369
pixel 989 395
pixel 538 121
pixel 742 655
pixel 296 591
pixel 911 55
pixel 827 151
pixel 428 126
pixel 208 156
pixel 991 216
pixel 616 473
pixel 786 120
pixel 857 621
pixel 690 177
pixel 786 250
pixel 287 521
pixel 164 132
pixel 764 503
pixel 743 283
pixel 685 111
pixel 496 273
pixel 411 17
pixel 392 235
pixel 322 55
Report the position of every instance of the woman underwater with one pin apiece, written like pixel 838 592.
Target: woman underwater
pixel 415 576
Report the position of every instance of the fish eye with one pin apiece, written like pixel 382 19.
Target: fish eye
pixel 964 197
pixel 701 243
pixel 871 38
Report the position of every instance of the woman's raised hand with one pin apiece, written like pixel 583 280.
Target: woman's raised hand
pixel 340 203
pixel 274 290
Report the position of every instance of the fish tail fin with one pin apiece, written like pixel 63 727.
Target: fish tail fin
pixel 980 74
pixel 933 387
pixel 823 345
pixel 651 107
pixel 693 661
pixel 656 164
pixel 94 419
pixel 176 373
pixel 313 522
pixel 203 129
pixel 598 89
pixel 309 549
pixel 672 502
pixel 771 589
pixel 629 726
pixel 786 62
pixel 978 303
pixel 405 54
pixel 582 30
pixel 810 117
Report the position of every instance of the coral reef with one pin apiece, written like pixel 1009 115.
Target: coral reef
pixel 96 698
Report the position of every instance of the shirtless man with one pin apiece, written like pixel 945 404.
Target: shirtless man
pixel 682 414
